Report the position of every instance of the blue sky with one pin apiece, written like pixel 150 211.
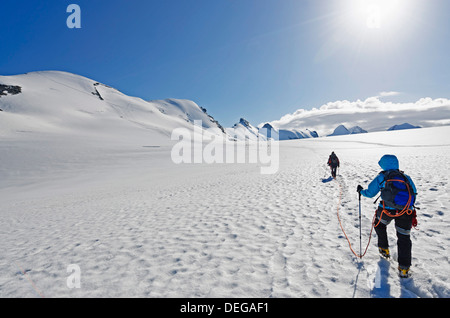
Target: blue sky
pixel 258 59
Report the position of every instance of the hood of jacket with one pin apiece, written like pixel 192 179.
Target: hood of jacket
pixel 389 162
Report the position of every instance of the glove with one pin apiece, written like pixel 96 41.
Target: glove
pixel 359 189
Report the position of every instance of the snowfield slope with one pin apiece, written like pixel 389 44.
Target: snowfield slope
pixel 138 225
pixel 60 103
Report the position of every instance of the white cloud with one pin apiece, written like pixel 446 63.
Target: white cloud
pixel 388 94
pixel 371 114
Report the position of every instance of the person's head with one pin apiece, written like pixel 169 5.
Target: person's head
pixel 389 162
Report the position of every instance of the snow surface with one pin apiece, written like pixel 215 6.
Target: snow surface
pixel 138 225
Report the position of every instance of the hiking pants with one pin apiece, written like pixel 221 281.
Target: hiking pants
pixel 403 225
pixel 333 171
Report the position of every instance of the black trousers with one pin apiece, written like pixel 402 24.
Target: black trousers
pixel 403 225
pixel 333 171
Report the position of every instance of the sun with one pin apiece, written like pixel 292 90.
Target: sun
pixel 382 14
pixel 366 29
pixel 376 14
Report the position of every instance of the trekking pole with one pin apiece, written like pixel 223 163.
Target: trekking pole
pixel 360 236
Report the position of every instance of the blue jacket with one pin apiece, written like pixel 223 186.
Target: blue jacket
pixel 387 162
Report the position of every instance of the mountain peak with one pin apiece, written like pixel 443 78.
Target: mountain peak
pixel 357 130
pixel 403 126
pixel 244 122
pixel 340 130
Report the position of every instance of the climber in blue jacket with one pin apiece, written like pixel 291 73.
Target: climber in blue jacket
pixel 398 193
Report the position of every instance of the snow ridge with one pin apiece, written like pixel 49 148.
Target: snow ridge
pixel 64 103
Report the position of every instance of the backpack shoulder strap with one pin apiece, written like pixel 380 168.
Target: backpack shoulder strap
pixel 385 175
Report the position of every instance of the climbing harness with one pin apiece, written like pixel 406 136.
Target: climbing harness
pixel 398 213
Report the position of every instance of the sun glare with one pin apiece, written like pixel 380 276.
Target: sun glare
pixel 377 14
pixel 381 14
pixel 366 28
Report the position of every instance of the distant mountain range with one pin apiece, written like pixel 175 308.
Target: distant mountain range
pixel 372 114
pixel 243 130
pixel 342 130
pixel 59 102
pixel 54 102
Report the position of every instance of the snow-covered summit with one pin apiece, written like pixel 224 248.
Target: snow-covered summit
pixel 357 130
pixel 403 126
pixel 342 130
pixel 243 122
pixel 243 130
pixel 289 134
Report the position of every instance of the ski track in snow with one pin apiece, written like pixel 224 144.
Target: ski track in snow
pixel 227 230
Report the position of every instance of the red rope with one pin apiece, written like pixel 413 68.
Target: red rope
pixel 343 231
pixel 31 282
pixel 406 210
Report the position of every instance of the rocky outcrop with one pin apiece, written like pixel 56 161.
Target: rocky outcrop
pixel 9 89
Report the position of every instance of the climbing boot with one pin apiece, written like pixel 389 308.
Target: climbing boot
pixel 403 272
pixel 384 252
